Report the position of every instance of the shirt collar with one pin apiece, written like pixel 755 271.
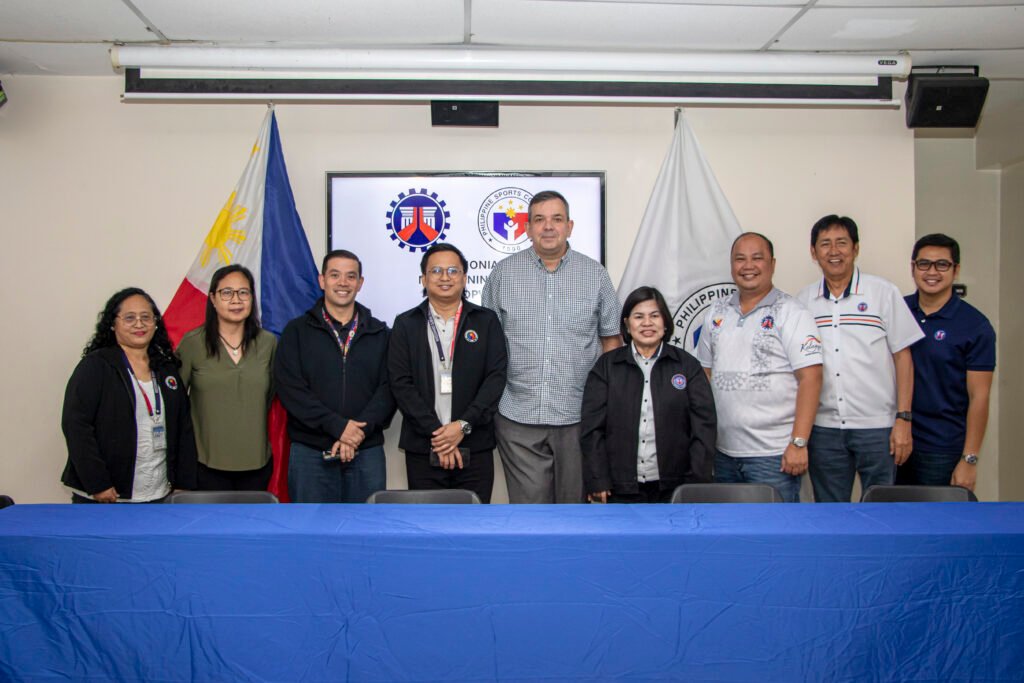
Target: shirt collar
pixel 948 309
pixel 540 262
pixel 770 298
pixel 640 359
pixel 852 287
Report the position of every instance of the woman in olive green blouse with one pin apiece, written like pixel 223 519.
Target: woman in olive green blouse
pixel 227 366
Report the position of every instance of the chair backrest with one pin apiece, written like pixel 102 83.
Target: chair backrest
pixel 917 494
pixel 6 502
pixel 726 493
pixel 435 496
pixel 200 497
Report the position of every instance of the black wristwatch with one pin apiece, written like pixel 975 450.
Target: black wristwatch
pixel 905 415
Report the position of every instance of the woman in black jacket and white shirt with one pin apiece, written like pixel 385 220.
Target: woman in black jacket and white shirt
pixel 126 415
pixel 648 422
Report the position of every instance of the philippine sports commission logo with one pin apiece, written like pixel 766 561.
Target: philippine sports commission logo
pixel 502 219
pixel 689 317
pixel 417 219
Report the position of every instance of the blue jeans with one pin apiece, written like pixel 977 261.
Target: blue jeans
pixel 837 455
pixel 765 469
pixel 927 469
pixel 311 480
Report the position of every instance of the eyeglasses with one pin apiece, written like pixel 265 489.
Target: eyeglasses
pixel 227 294
pixel 941 265
pixel 453 271
pixel 146 319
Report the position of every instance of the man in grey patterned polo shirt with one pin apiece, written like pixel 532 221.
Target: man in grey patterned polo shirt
pixel 560 312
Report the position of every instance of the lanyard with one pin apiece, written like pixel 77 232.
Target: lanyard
pixel 145 397
pixel 347 344
pixel 437 337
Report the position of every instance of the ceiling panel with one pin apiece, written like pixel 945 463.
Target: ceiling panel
pixel 55 59
pixel 922 28
pixel 625 25
pixel 382 22
pixel 60 20
pixel 912 3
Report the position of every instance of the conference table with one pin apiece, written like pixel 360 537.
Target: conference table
pixel 859 592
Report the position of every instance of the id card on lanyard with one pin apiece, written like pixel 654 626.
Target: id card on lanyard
pixel 446 368
pixel 159 431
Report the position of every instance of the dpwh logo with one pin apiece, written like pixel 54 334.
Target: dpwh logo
pixel 689 317
pixel 502 219
pixel 417 219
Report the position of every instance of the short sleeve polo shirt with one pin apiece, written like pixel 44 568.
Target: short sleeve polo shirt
pixel 752 359
pixel 860 331
pixel 957 338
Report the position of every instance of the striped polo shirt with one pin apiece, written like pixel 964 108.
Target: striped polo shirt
pixel 860 331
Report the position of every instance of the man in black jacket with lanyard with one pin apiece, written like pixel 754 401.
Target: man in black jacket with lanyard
pixel 447 366
pixel 331 375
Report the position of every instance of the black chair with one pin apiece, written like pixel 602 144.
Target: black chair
pixel 206 497
pixel 726 493
pixel 431 496
pixel 6 502
pixel 918 494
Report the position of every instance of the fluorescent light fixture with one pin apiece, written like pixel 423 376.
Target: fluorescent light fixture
pixel 319 74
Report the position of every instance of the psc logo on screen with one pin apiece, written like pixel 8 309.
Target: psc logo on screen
pixel 503 217
pixel 417 219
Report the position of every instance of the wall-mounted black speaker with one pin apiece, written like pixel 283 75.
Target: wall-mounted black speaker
pixel 459 113
pixel 943 100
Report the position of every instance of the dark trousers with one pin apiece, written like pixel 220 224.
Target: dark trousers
pixel 478 476
pixel 75 498
pixel 209 479
pixel 650 492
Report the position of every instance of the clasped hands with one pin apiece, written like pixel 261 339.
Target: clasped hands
pixel 349 441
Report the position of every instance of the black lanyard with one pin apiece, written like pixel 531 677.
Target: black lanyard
pixel 437 336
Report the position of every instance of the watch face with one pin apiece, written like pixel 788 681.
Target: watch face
pixel 971 459
pixel 798 442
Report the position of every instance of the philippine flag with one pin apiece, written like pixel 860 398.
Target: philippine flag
pixel 259 228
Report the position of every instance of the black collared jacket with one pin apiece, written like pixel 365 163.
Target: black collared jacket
pixel 684 421
pixel 322 389
pixel 478 376
pixel 99 425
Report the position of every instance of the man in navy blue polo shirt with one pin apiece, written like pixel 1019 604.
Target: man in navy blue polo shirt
pixel 953 368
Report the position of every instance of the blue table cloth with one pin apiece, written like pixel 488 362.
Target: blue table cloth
pixel 517 593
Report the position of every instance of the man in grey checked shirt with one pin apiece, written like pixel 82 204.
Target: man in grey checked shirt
pixel 560 312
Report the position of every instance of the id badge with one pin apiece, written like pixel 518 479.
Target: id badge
pixel 446 382
pixel 159 437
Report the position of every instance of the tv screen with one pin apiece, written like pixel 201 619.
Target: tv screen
pixel 390 219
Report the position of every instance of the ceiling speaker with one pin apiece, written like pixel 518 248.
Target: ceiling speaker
pixel 459 113
pixel 945 100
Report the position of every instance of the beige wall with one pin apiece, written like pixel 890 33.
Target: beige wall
pixel 97 195
pixel 1010 377
pixel 953 197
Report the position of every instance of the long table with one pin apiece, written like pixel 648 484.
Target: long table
pixel 518 593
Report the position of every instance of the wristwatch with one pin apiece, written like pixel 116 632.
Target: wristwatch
pixel 971 458
pixel 905 415
pixel 467 428
pixel 799 442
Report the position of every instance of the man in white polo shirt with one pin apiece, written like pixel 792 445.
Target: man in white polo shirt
pixel 863 421
pixel 761 351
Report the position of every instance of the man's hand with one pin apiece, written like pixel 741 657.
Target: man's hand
pixel 794 460
pixel 447 438
pixel 965 475
pixel 344 451
pixel 353 434
pixel 108 496
pixel 901 443
pixel 598 497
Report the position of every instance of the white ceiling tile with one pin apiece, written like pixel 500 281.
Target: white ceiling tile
pixel 541 23
pixel 906 29
pixel 55 59
pixel 892 4
pixel 383 22
pixel 61 20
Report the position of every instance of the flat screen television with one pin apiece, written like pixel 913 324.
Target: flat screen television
pixel 390 219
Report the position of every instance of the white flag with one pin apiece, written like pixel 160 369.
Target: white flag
pixel 682 247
